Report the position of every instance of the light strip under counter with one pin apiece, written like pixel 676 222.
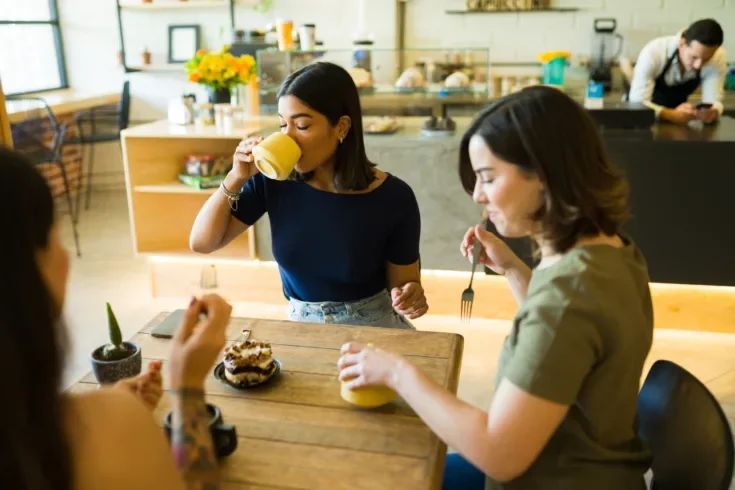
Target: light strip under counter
pixel 681 307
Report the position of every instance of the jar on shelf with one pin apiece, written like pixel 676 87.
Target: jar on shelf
pixel 203 115
pixel 361 57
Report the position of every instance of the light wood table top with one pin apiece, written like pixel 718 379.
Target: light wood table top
pixel 61 102
pixel 296 431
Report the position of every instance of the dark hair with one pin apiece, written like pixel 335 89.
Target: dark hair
pixel 545 133
pixel 34 453
pixel 329 89
pixel 706 31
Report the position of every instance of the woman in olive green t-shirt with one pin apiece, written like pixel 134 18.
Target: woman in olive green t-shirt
pixel 563 415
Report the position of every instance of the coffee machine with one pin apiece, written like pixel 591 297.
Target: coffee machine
pixel 606 47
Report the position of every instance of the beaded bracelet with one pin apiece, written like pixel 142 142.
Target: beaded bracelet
pixel 231 196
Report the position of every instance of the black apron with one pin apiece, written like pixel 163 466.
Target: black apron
pixel 672 96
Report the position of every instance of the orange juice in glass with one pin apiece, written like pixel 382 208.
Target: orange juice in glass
pixel 284 28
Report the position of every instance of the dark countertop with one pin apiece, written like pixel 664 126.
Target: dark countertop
pixel 723 131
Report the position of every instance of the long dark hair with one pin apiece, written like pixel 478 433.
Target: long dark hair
pixel 34 453
pixel 546 133
pixel 329 89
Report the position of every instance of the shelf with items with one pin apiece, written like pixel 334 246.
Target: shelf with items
pixel 509 6
pixel 435 77
pixel 163 210
pixel 172 4
pixel 138 5
pixel 511 11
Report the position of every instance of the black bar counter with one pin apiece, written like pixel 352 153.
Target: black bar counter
pixel 682 199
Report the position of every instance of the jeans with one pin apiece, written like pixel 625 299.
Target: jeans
pixel 376 311
pixel 459 474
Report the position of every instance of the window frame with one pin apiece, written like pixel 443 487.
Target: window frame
pixel 58 46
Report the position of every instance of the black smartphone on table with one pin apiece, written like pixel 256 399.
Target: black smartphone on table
pixel 168 326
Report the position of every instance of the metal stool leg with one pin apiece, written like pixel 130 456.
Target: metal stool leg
pixel 71 207
pixel 89 175
pixel 79 182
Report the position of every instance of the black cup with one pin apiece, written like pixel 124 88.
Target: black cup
pixel 224 436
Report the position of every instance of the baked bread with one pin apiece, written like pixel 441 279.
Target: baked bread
pixel 361 77
pixel 383 124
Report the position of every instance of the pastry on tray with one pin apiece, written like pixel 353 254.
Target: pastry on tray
pixel 457 80
pixel 249 362
pixel 385 124
pixel 412 78
pixel 361 77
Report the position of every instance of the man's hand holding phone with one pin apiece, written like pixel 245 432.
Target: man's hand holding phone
pixel 706 113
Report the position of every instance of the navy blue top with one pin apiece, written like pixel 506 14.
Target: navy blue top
pixel 334 247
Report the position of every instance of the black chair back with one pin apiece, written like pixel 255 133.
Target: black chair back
pixel 123 107
pixel 686 429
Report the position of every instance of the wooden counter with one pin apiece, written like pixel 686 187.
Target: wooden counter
pixel 162 210
pixel 679 203
pixel 5 137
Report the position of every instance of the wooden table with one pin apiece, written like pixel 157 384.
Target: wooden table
pixel 296 432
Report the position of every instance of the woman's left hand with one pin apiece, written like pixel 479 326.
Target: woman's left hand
pixel 409 300
pixel 368 366
pixel 148 386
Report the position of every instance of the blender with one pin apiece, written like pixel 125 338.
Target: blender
pixel 606 47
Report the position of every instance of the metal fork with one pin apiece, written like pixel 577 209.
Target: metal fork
pixel 468 295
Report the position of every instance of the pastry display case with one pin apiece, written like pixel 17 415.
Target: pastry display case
pixel 391 82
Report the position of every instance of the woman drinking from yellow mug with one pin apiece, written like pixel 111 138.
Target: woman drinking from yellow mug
pixel 345 234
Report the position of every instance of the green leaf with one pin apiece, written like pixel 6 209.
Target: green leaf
pixel 114 328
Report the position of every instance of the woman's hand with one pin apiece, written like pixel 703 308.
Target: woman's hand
pixel 409 300
pixel 243 163
pixel 496 254
pixel 146 386
pixel 196 346
pixel 368 366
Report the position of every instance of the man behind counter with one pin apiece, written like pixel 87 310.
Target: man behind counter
pixel 669 69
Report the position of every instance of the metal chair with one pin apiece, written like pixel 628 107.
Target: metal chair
pixel 30 138
pixel 99 125
pixel 686 429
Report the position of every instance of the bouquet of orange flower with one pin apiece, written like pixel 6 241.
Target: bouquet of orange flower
pixel 222 70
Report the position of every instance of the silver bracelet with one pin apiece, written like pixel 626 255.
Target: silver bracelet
pixel 231 196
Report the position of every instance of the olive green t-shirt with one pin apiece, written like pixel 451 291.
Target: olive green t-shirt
pixel 580 339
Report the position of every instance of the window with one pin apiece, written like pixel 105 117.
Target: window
pixel 31 55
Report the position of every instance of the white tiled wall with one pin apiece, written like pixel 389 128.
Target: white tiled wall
pixel 91 43
pixel 91 40
pixel 519 37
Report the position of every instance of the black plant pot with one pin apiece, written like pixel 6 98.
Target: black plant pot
pixel 113 371
pixel 219 96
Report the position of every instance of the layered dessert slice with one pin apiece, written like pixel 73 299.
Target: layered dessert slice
pixel 249 362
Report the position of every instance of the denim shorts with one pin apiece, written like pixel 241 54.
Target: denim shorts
pixel 376 311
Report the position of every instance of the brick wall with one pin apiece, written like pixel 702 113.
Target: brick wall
pixel 72 157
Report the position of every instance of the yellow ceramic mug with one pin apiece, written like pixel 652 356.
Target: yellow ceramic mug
pixel 276 156
pixel 371 397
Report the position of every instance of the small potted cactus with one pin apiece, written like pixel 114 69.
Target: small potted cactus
pixel 116 360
